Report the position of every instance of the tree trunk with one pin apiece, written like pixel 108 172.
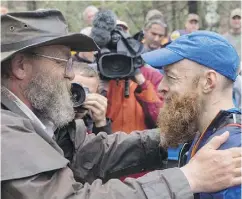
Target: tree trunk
pixel 174 15
pixel 192 7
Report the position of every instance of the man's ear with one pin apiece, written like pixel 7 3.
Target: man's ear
pixel 210 81
pixel 19 68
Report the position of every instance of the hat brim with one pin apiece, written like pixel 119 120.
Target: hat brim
pixel 161 58
pixel 75 41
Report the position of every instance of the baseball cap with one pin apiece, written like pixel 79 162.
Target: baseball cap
pixel 235 12
pixel 203 47
pixel 122 23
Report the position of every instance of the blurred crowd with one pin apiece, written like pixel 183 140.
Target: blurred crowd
pixel 155 32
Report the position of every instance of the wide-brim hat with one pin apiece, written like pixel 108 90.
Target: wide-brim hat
pixel 21 31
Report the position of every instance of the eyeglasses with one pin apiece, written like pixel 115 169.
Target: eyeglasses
pixel 69 62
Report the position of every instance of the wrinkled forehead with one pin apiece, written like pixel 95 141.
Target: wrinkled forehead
pixel 181 67
pixel 55 49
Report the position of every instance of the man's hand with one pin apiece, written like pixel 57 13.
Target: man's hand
pixel 97 104
pixel 212 170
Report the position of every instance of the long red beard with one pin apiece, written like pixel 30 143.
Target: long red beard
pixel 178 120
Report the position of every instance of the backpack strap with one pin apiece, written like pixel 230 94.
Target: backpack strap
pixel 233 119
pixel 222 120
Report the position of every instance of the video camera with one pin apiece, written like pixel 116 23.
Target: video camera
pixel 120 54
pixel 120 58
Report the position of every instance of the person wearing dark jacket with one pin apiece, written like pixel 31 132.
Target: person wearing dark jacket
pixel 36 76
pixel 200 69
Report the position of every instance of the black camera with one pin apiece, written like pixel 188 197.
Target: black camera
pixel 120 57
pixel 78 95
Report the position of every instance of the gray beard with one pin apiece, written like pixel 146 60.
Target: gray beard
pixel 50 99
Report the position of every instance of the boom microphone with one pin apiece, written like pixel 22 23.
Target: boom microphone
pixel 103 24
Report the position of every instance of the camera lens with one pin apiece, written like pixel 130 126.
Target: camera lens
pixel 115 65
pixel 78 94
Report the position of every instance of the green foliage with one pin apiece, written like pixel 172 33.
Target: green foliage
pixel 132 12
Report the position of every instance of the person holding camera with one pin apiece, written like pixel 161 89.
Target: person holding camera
pixel 90 107
pixel 130 85
pixel 36 71
pixel 94 108
pixel 139 111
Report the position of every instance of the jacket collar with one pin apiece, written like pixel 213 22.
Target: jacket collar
pixel 14 104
